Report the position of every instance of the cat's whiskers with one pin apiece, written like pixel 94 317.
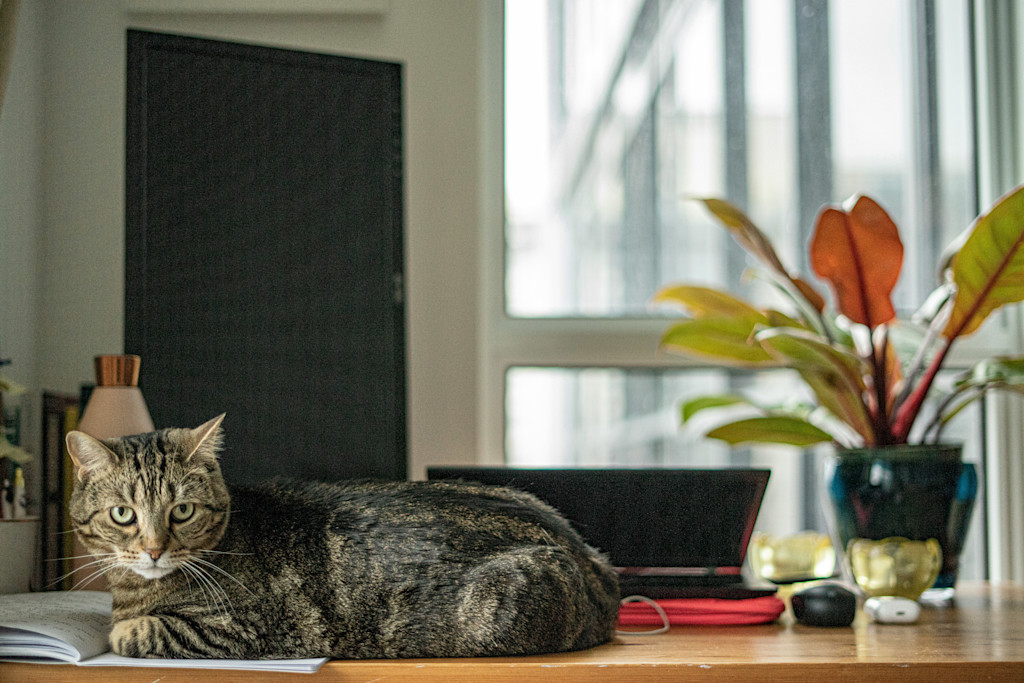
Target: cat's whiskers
pixel 189 571
pixel 212 586
pixel 216 584
pixel 103 559
pixel 213 566
pixel 188 580
pixel 211 601
pixel 219 552
pixel 78 557
pixel 105 565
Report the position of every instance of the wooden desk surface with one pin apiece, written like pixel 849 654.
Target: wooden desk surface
pixel 980 638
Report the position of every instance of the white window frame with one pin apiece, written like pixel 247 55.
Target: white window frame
pixel 507 342
pixel 999 114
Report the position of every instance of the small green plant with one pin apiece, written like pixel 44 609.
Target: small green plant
pixel 8 450
pixel 846 353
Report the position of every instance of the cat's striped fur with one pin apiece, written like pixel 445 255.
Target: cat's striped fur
pixel 349 570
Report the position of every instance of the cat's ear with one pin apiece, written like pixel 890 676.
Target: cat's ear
pixel 88 454
pixel 206 439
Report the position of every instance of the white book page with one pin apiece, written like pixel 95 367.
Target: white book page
pixel 65 625
pixel 74 626
pixel 307 666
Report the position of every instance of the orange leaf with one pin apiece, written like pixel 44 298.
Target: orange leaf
pixel 859 252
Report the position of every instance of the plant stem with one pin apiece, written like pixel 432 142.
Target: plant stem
pixel 917 362
pixel 823 323
pixel 941 418
pixel 908 412
pixel 883 435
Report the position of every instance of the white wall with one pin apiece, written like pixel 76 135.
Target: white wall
pixel 63 128
pixel 20 211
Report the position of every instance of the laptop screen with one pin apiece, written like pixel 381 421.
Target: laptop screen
pixel 686 521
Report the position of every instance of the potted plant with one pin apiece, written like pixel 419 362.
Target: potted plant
pixel 868 390
pixel 18 456
pixel 18 534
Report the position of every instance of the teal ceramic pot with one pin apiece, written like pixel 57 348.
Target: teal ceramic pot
pixel 915 491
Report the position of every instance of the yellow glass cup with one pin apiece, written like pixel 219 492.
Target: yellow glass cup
pixel 805 556
pixel 894 566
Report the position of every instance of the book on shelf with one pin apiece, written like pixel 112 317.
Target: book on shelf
pixel 73 627
pixel 60 415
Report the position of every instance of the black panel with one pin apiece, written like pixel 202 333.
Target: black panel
pixel 645 517
pixel 264 252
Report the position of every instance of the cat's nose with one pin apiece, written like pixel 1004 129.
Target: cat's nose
pixel 155 553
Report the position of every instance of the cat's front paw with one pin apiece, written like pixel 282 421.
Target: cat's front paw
pixel 138 637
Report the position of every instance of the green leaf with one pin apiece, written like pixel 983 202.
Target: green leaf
pixel 14 453
pixel 1008 371
pixel 756 243
pixel 782 429
pixel 780 319
pixel 801 350
pixel 9 385
pixel 834 375
pixel 988 273
pixel 728 340
pixel 703 301
pixel 695 405
pixel 748 235
pixel 989 269
pixel 808 317
pixel 934 303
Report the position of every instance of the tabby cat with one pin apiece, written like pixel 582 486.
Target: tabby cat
pixel 200 569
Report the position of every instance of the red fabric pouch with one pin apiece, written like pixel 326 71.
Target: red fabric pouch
pixel 704 612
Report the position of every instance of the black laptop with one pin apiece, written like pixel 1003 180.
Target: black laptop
pixel 671 533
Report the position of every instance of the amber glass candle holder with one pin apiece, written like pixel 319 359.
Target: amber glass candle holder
pixel 806 556
pixel 894 566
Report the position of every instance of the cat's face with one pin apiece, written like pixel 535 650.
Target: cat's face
pixel 151 503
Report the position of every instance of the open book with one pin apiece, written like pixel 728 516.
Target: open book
pixel 59 626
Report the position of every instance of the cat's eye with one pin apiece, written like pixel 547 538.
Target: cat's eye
pixel 182 512
pixel 122 515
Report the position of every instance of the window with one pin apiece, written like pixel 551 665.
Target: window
pixel 615 113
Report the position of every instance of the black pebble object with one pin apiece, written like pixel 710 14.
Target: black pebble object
pixel 827 605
